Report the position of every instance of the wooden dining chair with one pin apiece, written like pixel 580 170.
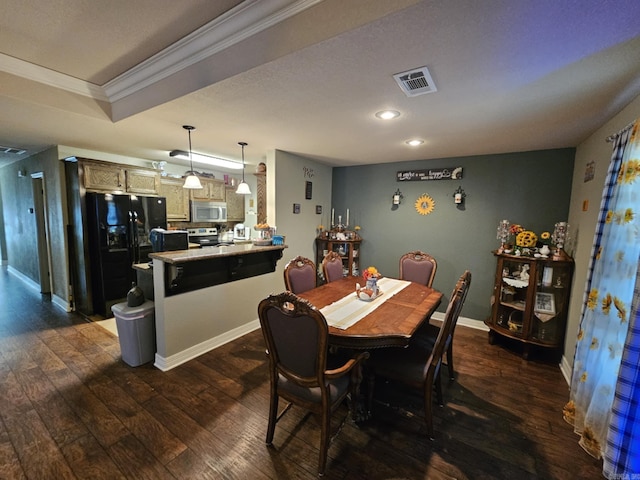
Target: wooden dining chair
pixel 416 365
pixel 427 334
pixel 332 266
pixel 300 275
pixel 301 370
pixel 419 267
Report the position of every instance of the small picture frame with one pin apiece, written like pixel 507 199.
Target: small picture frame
pixel 319 209
pixel 545 303
pixel 308 188
pixel 296 208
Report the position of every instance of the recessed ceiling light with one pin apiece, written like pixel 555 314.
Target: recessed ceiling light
pixel 415 142
pixel 387 114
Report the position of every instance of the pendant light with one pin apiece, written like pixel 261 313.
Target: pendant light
pixel 243 187
pixel 192 180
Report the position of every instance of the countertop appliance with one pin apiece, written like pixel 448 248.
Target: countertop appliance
pixel 165 240
pixel 118 229
pixel 240 232
pixel 205 211
pixel 205 237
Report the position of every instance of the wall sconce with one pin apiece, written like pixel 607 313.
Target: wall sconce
pixel 22 172
pixel 458 196
pixel 397 197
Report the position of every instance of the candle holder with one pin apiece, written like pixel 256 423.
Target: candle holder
pixel 503 234
pixel 559 238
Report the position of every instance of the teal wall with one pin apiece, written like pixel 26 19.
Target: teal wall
pixel 529 188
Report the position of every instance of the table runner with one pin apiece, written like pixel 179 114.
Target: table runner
pixel 349 310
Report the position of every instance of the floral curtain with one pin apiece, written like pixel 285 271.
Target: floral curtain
pixel 622 454
pixel 608 297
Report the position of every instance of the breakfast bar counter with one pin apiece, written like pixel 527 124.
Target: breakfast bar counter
pixel 208 296
pixel 196 254
pixel 188 270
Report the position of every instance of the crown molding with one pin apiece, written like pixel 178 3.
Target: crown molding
pixel 236 25
pixel 240 23
pixel 30 71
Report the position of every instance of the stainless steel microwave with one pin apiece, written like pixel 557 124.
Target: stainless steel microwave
pixel 203 211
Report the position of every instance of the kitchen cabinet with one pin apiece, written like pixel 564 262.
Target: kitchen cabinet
pixel 212 189
pixel 144 182
pixel 113 177
pixel 177 198
pixel 530 300
pixel 235 205
pixel 347 244
pixel 100 176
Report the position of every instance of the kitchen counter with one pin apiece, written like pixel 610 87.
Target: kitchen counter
pixel 184 256
pixel 207 296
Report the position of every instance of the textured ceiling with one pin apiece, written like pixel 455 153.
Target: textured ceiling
pixel 307 76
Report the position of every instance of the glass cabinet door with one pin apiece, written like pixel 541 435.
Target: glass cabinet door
pixel 512 299
pixel 550 300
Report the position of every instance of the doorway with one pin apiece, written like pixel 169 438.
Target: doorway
pixel 42 229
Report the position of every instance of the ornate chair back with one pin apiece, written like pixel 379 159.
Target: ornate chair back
pixel 332 267
pixel 300 275
pixel 419 267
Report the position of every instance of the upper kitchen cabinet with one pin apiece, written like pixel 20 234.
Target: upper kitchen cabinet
pixel 145 182
pixel 103 176
pixel 235 205
pixel 113 177
pixel 177 198
pixel 212 189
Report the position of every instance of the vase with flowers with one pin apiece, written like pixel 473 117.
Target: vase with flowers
pixel 370 289
pixel 544 249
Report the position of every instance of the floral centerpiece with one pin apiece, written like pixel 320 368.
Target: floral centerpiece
pixel 526 242
pixel 371 273
pixel 371 276
pixel 370 290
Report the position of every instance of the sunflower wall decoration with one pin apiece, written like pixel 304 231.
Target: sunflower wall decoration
pixel 425 204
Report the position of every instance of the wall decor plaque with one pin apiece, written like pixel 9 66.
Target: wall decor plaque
pixel 452 173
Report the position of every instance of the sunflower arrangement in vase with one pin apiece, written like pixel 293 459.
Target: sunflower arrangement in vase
pixel 525 240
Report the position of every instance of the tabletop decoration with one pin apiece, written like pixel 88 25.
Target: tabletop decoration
pixel 370 290
pixel 503 235
pixel 544 250
pixel 526 239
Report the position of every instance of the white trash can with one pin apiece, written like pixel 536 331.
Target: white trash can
pixel 136 332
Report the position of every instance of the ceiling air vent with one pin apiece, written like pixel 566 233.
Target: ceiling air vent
pixel 12 151
pixel 416 82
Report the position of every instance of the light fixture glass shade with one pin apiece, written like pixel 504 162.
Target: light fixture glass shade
pixel 243 189
pixel 192 181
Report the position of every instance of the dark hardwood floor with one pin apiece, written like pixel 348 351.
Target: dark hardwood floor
pixel 70 408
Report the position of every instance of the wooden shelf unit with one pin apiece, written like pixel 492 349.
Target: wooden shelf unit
pixel 349 250
pixel 531 310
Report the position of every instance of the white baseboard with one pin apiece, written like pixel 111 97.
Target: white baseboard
pixel 55 299
pixel 567 369
pixel 463 321
pixel 173 361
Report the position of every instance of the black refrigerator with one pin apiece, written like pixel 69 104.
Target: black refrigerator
pixel 118 231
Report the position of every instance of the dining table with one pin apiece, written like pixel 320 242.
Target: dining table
pixel 389 320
